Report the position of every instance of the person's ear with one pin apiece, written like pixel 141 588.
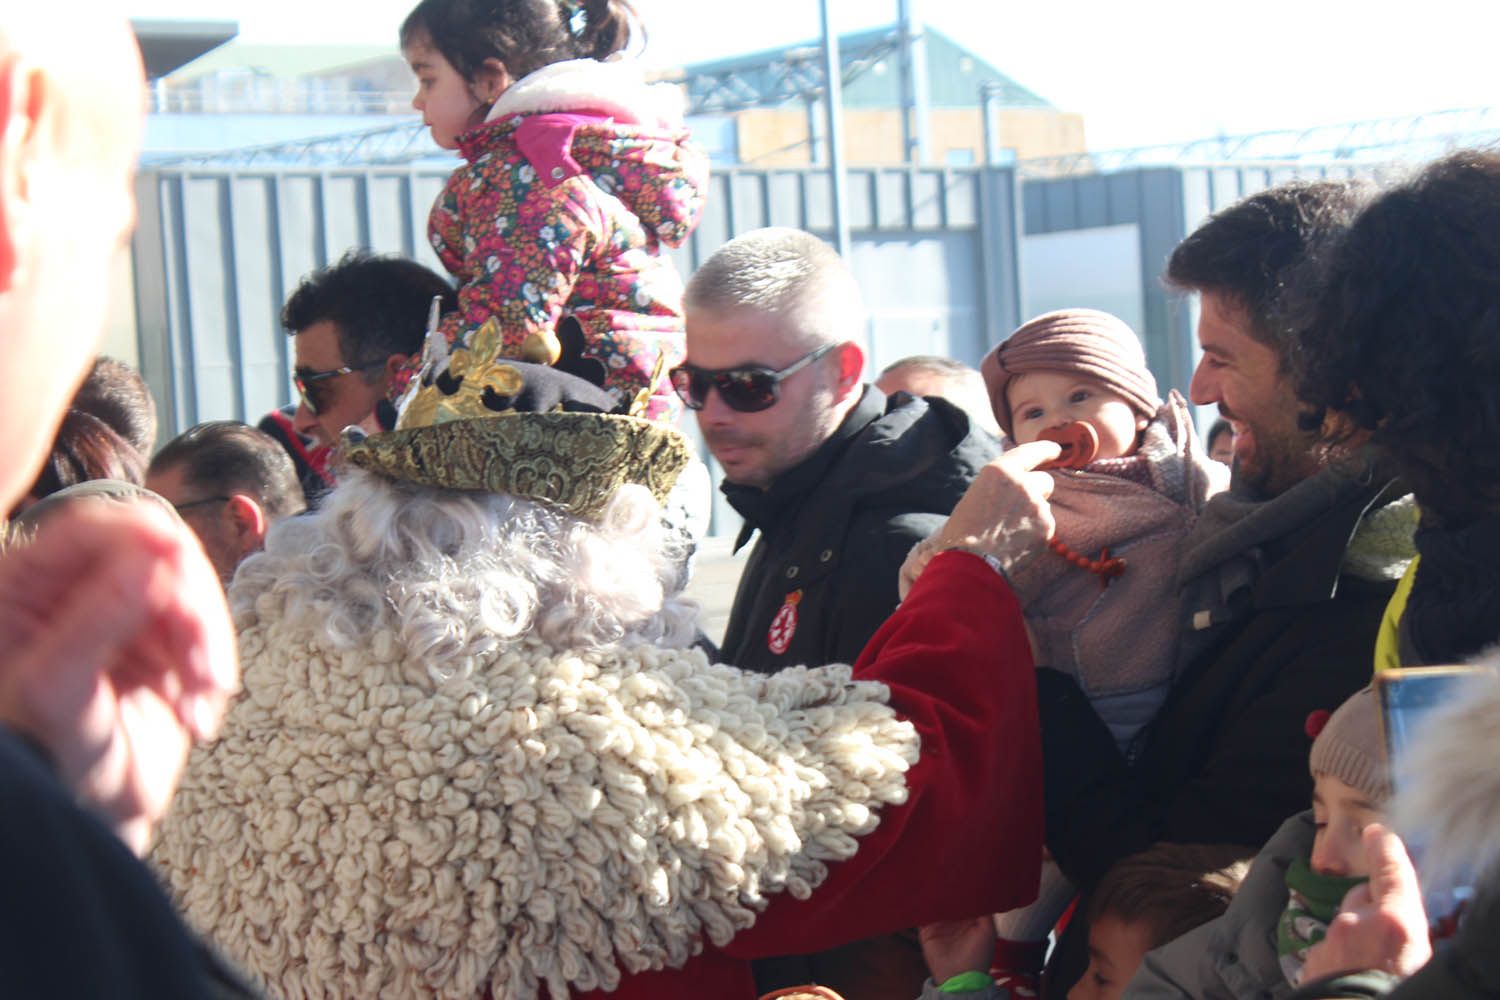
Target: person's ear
pixel 851 362
pixel 247 523
pixel 23 96
pixel 490 81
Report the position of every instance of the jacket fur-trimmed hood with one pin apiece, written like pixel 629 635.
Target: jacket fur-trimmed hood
pixel 614 87
pixel 549 818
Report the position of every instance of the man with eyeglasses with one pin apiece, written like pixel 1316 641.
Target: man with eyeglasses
pixel 839 481
pixel 353 325
pixel 230 483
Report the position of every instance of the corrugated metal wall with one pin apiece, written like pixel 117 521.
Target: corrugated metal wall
pixel 1165 204
pixel 218 251
pixel 938 252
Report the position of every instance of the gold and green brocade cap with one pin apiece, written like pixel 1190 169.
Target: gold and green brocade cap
pixel 472 421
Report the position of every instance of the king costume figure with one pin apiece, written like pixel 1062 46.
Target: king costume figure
pixel 476 754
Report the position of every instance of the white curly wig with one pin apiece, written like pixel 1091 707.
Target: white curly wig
pixel 473 756
pixel 459 575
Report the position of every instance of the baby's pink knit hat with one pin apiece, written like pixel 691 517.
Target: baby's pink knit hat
pixel 1086 342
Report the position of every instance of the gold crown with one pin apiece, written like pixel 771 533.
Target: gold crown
pixel 458 428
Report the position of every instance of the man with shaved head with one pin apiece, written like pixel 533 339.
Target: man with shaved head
pixel 838 481
pixel 117 650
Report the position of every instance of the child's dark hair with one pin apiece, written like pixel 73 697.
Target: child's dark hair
pixel 525 35
pixel 1171 888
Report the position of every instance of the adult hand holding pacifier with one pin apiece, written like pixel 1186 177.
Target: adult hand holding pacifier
pixel 1004 514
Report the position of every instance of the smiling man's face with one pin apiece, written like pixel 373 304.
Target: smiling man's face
pixel 1245 378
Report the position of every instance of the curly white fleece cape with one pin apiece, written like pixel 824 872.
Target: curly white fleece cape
pixel 550 818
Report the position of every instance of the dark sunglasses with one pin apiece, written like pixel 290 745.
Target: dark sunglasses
pixel 747 389
pixel 310 388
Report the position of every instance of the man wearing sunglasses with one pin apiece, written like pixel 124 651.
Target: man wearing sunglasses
pixel 353 324
pixel 839 481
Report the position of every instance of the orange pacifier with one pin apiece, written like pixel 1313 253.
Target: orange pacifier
pixel 1079 442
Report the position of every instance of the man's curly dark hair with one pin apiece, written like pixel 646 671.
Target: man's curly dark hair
pixel 1256 252
pixel 1404 340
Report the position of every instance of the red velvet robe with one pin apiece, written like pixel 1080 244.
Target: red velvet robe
pixel 969 838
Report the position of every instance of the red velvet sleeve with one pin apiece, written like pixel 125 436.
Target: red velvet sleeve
pixel 969 838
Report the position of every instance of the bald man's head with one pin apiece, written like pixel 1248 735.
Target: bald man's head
pixel 71 103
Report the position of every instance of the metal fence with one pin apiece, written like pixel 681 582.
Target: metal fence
pixel 938 252
pixel 217 252
pixel 1164 204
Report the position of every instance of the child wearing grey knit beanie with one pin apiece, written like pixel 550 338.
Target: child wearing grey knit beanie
pixel 1351 785
pixel 1297 882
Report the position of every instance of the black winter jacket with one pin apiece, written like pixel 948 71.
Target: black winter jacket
pixel 1225 760
pixel 1453 611
pixel 82 916
pixel 835 528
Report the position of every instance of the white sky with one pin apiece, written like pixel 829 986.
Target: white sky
pixel 1145 72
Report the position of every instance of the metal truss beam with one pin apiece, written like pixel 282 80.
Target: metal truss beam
pixel 405 142
pixel 1381 140
pixel 1409 138
pixel 794 74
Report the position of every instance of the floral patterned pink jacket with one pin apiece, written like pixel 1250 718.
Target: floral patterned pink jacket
pixel 568 193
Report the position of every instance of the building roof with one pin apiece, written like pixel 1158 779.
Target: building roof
pixel 168 45
pixel 955 75
pixel 280 61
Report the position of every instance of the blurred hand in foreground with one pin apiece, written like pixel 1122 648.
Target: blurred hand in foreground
pixel 118 654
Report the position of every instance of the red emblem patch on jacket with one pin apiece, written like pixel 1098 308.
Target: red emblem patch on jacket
pixel 784 625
